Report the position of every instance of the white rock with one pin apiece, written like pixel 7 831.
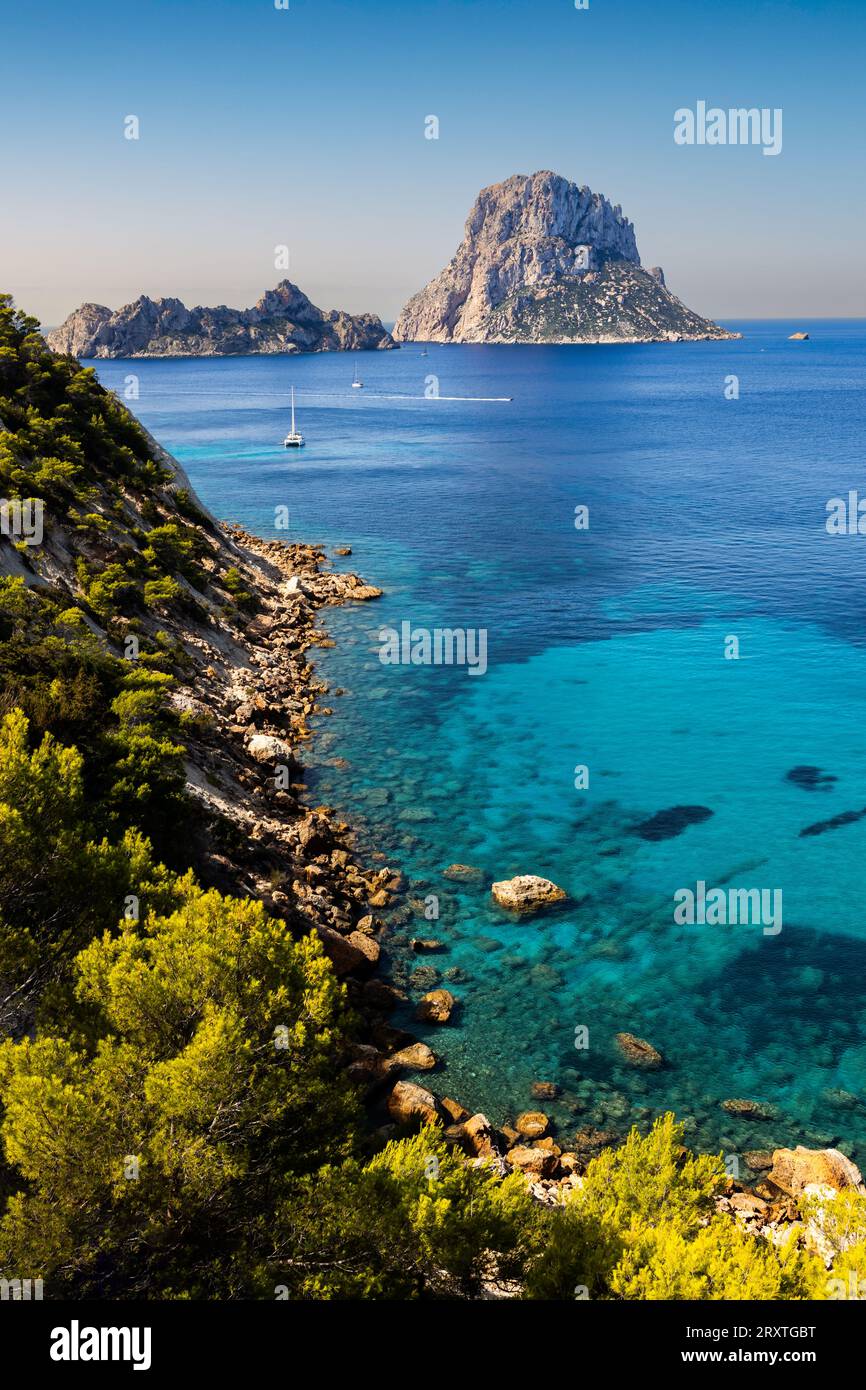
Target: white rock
pixel 527 893
pixel 265 748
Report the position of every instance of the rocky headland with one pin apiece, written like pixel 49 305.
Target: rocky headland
pixel 283 320
pixel 545 261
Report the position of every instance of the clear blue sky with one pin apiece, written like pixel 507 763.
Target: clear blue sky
pixel 306 127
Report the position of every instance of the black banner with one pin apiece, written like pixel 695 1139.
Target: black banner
pixel 84 1340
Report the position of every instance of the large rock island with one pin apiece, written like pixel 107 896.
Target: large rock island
pixel 544 261
pixel 283 320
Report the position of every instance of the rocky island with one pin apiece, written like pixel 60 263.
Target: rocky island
pixel 283 320
pixel 545 261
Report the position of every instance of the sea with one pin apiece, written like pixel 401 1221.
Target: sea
pixel 656 549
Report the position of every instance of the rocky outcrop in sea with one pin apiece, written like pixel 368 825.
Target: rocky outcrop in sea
pixel 545 261
pixel 283 320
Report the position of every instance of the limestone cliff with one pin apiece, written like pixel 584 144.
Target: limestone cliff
pixel 282 321
pixel 544 261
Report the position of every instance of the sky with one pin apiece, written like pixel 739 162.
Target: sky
pixel 304 127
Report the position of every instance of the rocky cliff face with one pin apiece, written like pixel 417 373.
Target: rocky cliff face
pixel 283 320
pixel 545 261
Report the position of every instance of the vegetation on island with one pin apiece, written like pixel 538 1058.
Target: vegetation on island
pixel 176 1118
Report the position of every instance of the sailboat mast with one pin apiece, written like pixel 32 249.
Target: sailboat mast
pixel 293 410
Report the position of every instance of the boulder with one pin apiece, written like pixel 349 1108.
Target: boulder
pixel 411 1104
pixel 480 1137
pixel 527 893
pixel 266 748
pixel 436 1007
pixel 638 1051
pixel 416 1057
pixel 532 1124
pixel 347 953
pixel 539 1163
pixel 381 996
pixel 795 1169
pixel 745 1204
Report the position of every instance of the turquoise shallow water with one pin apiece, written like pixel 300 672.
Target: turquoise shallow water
pixel 606 648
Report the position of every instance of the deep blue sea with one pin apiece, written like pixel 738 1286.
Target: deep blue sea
pixel 607 649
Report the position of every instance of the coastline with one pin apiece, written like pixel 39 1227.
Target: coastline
pixel 339 898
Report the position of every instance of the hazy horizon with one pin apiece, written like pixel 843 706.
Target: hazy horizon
pixel 305 127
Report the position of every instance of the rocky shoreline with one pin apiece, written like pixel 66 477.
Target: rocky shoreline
pixel 262 710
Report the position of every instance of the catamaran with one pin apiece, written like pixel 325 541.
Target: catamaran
pixel 357 383
pixel 294 439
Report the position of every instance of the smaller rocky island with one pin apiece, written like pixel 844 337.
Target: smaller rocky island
pixel 283 320
pixel 545 261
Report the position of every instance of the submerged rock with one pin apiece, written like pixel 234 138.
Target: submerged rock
pixel 527 893
pixel 436 1007
pixel 748 1110
pixel 810 778
pixel 462 873
pixel 664 825
pixel 819 827
pixel 545 1090
pixel 532 1124
pixel 638 1051
pixel 759 1160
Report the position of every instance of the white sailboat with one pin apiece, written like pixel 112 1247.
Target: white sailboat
pixel 294 439
pixel 357 383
